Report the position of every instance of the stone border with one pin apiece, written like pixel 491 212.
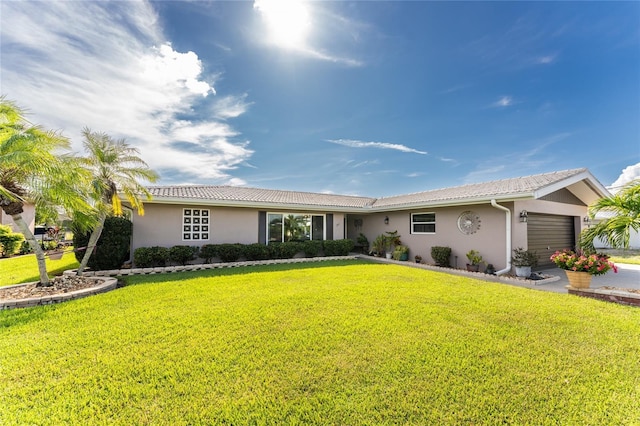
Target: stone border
pixel 108 285
pixel 464 272
pixel 204 266
pixel 616 296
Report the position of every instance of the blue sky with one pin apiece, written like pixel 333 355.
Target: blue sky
pixel 363 98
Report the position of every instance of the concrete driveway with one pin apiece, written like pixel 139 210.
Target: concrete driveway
pixel 628 276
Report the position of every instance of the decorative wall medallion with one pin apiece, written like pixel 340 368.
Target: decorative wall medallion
pixel 468 222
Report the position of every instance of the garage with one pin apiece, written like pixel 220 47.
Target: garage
pixel 547 233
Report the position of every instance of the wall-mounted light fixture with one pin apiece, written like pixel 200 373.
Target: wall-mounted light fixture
pixel 386 220
pixel 587 220
pixel 523 216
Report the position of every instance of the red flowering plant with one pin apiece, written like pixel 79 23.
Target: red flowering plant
pixel 593 264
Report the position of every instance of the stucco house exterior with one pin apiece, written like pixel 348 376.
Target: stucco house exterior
pixel 543 212
pixel 29 216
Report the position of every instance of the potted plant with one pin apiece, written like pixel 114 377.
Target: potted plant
pixel 474 260
pixel 491 270
pixel 378 245
pixel 401 253
pixel 524 260
pixel 363 243
pixel 580 266
pixel 418 258
pixel 392 240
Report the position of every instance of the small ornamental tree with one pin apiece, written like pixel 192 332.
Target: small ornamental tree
pixel 112 248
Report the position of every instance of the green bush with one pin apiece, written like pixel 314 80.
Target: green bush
pixel 146 257
pixel 112 248
pixel 311 248
pixel 25 248
pixel 208 252
pixel 183 254
pixel 441 255
pixel 337 247
pixel 230 252
pixel 285 250
pixel 142 257
pixel 256 251
pixel 9 241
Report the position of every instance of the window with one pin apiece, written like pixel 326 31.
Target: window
pixel 294 227
pixel 423 223
pixel 195 224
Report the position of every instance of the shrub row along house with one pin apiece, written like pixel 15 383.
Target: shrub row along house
pixel 544 212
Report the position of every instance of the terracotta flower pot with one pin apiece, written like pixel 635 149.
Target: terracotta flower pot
pixel 579 279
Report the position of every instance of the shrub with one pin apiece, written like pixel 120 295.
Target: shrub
pixel 522 257
pixel 229 252
pixel 312 248
pixel 208 252
pixel 112 248
pixel 284 250
pixel 337 247
pixel 441 255
pixel 256 251
pixel 145 257
pixel 25 248
pixel 9 241
pixel 182 254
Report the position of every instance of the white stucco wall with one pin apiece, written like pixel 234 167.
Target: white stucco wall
pixel 29 216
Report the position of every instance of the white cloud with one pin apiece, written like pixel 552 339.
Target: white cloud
pixel 628 174
pixel 382 145
pixel 504 101
pixel 547 59
pixel 231 106
pixel 107 66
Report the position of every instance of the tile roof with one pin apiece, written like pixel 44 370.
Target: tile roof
pixel 486 190
pixel 514 187
pixel 246 195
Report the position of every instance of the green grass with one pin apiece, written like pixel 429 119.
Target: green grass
pixel 24 269
pixel 340 343
pixel 631 256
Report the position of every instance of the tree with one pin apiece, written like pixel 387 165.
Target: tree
pixel 116 169
pixel 33 168
pixel 624 208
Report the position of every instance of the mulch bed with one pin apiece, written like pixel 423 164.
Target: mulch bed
pixel 60 285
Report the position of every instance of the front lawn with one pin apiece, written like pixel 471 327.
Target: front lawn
pixel 340 343
pixel 631 256
pixel 24 269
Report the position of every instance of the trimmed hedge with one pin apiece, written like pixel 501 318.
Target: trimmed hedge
pixel 337 247
pixel 284 250
pixel 183 254
pixel 208 252
pixel 312 248
pixel 256 251
pixel 229 252
pixel 145 257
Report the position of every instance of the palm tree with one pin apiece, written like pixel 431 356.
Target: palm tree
pixel 615 230
pixel 116 169
pixel 32 169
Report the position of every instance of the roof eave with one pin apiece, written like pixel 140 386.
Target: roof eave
pixel 252 204
pixel 453 203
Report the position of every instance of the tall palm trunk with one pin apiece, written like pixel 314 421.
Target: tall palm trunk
pixel 91 245
pixel 37 249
